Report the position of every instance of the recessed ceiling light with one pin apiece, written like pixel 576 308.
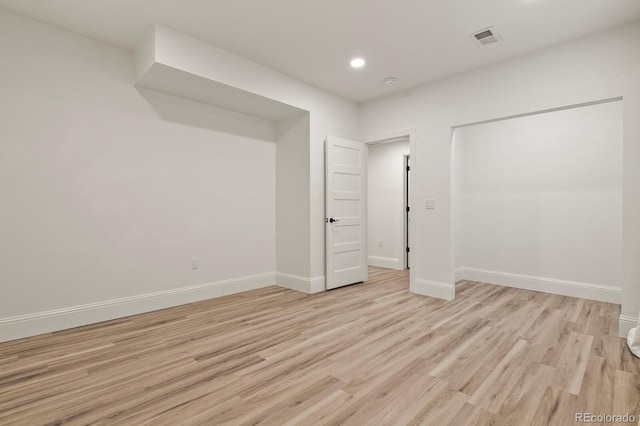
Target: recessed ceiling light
pixel 357 63
pixel 390 81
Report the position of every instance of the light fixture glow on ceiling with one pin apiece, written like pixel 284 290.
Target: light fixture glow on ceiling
pixel 357 63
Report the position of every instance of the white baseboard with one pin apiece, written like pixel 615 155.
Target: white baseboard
pixel 598 292
pixel 302 284
pixel 317 284
pixel 433 289
pixel 17 327
pixel 459 275
pixel 385 262
pixel 626 323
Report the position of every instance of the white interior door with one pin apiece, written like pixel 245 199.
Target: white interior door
pixel 346 209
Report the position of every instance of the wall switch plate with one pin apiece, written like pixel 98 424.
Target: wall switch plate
pixel 430 204
pixel 195 263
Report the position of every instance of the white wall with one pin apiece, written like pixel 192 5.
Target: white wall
pixel 597 67
pixel 112 189
pixel 542 198
pixel 457 207
pixel 292 202
pixel 108 192
pixel 329 115
pixel 386 204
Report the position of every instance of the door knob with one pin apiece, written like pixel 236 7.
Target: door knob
pixel 331 220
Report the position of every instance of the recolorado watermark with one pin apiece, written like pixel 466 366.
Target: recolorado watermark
pixel 605 418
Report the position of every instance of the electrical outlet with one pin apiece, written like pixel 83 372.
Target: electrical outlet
pixel 430 204
pixel 195 263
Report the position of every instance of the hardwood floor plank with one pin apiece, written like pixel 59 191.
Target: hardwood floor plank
pixel 320 412
pixel 472 415
pixel 556 408
pixel 371 391
pixel 495 389
pixel 413 380
pixel 462 351
pixel 441 410
pixel 402 410
pixel 626 394
pixel 599 382
pixel 526 395
pixel 573 363
pixel 182 402
pixel 468 375
pixel 546 329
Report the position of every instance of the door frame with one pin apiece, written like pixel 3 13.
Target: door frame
pixel 406 205
pixel 389 137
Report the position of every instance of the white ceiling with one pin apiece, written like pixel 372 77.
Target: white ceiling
pixel 313 40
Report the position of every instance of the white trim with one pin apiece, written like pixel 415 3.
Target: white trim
pixel 302 284
pixel 385 262
pixel 626 323
pixel 391 135
pixel 459 275
pixel 406 203
pixel 317 284
pixel 433 289
pixel 590 291
pixel 542 111
pixel 20 326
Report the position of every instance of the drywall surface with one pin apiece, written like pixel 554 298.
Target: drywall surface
pixel 542 195
pixel 108 192
pixel 385 200
pixel 601 66
pixel 457 207
pixel 292 197
pixel 329 115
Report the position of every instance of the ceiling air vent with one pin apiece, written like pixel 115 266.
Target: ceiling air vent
pixel 486 36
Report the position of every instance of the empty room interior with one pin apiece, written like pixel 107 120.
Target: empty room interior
pixel 307 213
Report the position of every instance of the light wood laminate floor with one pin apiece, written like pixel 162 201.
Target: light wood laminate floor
pixel 366 354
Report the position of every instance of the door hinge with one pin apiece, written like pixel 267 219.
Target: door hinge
pixel 408 168
pixel 408 249
pixel 408 208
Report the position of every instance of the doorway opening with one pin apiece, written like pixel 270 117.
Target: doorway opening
pixel 389 202
pixel 538 201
